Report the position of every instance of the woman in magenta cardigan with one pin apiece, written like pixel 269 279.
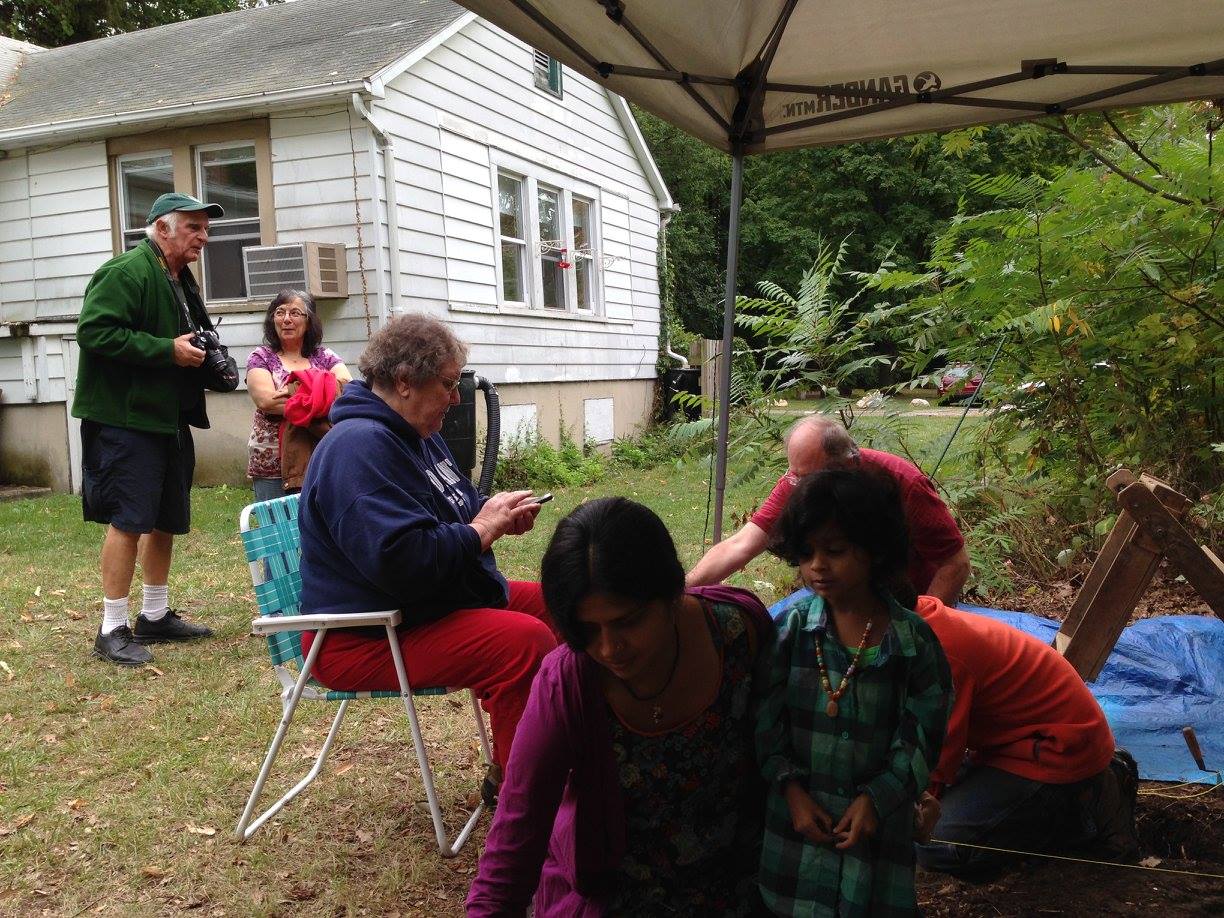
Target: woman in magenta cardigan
pixel 632 786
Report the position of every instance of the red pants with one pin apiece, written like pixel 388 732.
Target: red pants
pixel 494 652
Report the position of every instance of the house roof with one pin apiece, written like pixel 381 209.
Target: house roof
pixel 270 50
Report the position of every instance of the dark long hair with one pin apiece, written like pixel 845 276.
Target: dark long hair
pixel 865 504
pixel 614 546
pixel 314 327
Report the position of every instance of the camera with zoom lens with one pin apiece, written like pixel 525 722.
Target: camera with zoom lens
pixel 220 370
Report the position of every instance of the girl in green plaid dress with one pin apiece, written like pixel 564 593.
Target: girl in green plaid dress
pixel 856 707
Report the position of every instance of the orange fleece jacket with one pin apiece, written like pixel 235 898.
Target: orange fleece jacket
pixel 1018 706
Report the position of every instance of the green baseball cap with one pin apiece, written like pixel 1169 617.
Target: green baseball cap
pixel 176 200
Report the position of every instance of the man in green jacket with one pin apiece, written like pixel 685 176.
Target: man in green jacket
pixel 139 392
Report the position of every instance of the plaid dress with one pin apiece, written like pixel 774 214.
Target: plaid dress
pixel 884 741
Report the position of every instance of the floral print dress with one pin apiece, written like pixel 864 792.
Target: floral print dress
pixel 264 445
pixel 694 799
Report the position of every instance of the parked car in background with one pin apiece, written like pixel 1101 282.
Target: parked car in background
pixel 959 382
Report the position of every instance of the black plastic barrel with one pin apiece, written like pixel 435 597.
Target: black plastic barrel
pixel 459 425
pixel 681 379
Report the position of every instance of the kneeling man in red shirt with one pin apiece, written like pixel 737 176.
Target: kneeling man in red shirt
pixel 1028 762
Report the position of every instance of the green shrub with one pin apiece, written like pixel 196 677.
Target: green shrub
pixel 649 448
pixel 535 463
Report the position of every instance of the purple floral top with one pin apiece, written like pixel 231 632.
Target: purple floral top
pixel 263 447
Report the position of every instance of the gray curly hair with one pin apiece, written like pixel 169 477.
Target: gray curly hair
pixel 412 347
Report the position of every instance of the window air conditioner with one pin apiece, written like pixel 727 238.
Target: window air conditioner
pixel 319 268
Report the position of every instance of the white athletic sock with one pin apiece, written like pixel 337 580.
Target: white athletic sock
pixel 155 602
pixel 114 614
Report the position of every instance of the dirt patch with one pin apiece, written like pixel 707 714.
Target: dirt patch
pixel 22 492
pixel 1167 595
pixel 1185 834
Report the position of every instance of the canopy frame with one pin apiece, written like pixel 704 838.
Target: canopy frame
pixel 746 128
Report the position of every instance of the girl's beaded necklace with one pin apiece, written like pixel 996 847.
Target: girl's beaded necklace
pixel 834 696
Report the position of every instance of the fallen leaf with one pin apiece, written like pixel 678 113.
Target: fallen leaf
pixel 201 830
pixel 1150 861
pixel 69 680
pixel 21 822
pixel 364 837
pixel 343 768
pixel 7 670
pixel 59 592
pixel 37 591
pixel 76 804
pixel 154 670
pixel 152 871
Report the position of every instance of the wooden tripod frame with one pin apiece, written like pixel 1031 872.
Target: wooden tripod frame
pixel 1148 529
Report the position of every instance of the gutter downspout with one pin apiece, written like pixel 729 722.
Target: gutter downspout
pixel 387 143
pixel 665 215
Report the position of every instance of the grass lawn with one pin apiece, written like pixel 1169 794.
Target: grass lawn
pixel 119 788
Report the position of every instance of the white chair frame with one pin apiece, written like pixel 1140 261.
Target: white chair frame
pixel 295 686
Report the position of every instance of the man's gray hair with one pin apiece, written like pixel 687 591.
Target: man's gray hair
pixel 835 441
pixel 412 347
pixel 171 220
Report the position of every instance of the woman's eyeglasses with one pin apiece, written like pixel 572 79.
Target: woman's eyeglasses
pixel 291 313
pixel 449 384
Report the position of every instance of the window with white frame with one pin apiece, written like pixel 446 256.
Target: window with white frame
pixel 513 236
pixel 548 239
pixel 553 249
pixel 227 176
pixel 547 73
pixel 583 259
pixel 142 180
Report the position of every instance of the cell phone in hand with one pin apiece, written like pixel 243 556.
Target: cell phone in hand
pixel 540 499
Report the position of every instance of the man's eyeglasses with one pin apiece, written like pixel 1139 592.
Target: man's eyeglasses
pixel 291 313
pixel 450 385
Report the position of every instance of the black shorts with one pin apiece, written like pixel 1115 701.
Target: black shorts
pixel 137 481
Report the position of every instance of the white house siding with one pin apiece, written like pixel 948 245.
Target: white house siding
pixel 313 167
pixel 54 232
pixel 54 229
pixel 454 114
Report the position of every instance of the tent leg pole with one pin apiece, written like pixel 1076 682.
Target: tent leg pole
pixel 724 366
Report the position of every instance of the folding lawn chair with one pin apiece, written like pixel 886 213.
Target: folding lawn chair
pixel 272 541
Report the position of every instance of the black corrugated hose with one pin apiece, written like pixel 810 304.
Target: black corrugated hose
pixel 488 465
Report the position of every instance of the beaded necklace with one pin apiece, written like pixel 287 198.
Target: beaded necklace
pixel 831 707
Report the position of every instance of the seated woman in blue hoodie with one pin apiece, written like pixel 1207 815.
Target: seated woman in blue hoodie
pixel 390 522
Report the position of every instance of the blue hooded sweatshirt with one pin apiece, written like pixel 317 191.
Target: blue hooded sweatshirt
pixel 384 518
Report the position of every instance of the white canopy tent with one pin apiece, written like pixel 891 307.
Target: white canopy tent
pixel 753 76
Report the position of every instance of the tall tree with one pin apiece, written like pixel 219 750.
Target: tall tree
pixel 54 23
pixel 883 197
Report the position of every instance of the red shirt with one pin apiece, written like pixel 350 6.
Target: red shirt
pixel 934 537
pixel 1019 706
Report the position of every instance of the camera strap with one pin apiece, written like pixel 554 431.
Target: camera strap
pixel 176 289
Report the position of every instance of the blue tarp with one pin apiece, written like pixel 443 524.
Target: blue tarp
pixel 1164 674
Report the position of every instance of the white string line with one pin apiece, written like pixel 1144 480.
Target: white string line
pixel 1078 860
